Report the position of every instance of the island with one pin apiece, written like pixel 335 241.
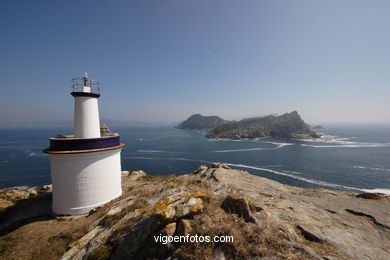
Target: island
pixel 199 122
pixel 288 126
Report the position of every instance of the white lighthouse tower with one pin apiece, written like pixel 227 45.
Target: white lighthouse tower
pixel 85 166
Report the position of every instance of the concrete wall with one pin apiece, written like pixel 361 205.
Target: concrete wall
pixel 84 181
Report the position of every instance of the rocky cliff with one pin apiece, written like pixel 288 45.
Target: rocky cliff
pixel 267 220
pixel 288 125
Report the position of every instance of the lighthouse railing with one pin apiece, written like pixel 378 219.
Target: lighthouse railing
pixel 81 85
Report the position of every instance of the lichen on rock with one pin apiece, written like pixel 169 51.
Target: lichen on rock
pixel 178 204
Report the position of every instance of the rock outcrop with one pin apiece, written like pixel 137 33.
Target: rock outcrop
pixel 267 220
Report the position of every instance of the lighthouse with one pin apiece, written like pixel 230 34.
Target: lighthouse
pixel 85 167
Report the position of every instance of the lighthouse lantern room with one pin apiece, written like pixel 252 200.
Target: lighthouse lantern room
pixel 85 167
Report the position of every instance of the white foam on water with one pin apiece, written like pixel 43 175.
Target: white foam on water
pixel 283 145
pixel 185 159
pixel 140 158
pixel 284 173
pixel 241 150
pixel 154 151
pixel 384 191
pixel 32 154
pixel 229 140
pixel 370 168
pixel 168 158
pixel 332 141
pixel 293 172
pixel 348 145
pixel 278 145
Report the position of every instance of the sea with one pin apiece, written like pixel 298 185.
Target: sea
pixel 351 158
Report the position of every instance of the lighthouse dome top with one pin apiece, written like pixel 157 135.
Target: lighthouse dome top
pixel 85 86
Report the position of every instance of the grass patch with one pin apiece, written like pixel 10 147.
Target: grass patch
pixel 174 179
pixel 152 178
pixel 5 245
pixel 101 253
pixel 250 240
pixel 168 178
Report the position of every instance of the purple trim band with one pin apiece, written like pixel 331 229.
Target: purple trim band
pixel 57 144
pixel 85 94
pixel 85 151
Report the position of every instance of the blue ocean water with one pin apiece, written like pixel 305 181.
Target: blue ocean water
pixel 346 158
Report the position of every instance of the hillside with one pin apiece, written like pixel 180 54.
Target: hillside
pixel 288 125
pixel 266 219
pixel 199 122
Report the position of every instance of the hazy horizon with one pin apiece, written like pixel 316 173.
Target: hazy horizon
pixel 68 124
pixel 161 61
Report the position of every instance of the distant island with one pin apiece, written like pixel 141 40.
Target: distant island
pixel 288 125
pixel 199 122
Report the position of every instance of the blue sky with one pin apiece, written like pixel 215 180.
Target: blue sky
pixel 162 60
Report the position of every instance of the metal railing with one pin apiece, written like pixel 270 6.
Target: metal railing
pixel 85 84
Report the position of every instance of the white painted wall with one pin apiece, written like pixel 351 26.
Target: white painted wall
pixel 86 117
pixel 84 181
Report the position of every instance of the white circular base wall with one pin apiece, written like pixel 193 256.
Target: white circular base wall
pixel 84 181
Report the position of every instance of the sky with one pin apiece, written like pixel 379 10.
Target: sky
pixel 163 60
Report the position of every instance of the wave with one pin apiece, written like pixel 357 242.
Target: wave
pixel 285 173
pixel 278 145
pixel 326 141
pixel 385 191
pixel 33 154
pixel 348 145
pixel 168 158
pixel 229 140
pixel 370 168
pixel 293 172
pixel 154 151
pixel 283 145
pixel 332 141
pixel 241 150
